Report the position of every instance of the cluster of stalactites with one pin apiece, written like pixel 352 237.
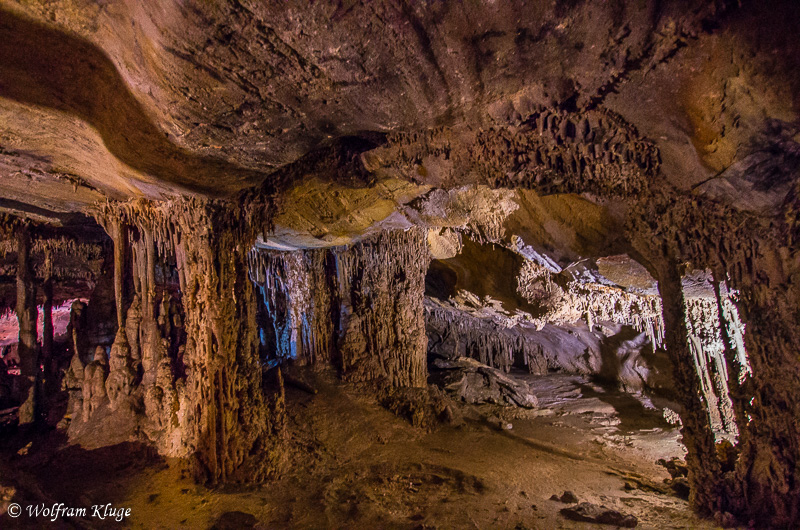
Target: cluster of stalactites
pixel 487 341
pixel 550 150
pixel 591 302
pixel 295 291
pixel 642 312
pixel 593 150
pixel 708 351
pixel 60 258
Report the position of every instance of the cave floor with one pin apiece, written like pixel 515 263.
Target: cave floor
pixel 356 465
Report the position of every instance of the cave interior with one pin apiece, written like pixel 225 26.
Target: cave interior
pixel 394 264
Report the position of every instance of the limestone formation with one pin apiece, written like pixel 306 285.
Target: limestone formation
pixel 94 383
pixel 121 376
pixel 26 315
pixel 346 306
pixel 202 397
pixel 219 191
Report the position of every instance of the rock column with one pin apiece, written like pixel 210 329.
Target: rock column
pixel 698 437
pixel 227 418
pixel 26 315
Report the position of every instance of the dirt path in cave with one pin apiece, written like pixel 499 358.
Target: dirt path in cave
pixel 356 465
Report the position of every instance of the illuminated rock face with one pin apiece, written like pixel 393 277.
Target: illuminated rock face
pixel 360 186
pixel 358 308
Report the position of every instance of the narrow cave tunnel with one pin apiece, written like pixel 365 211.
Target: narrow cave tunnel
pixel 399 265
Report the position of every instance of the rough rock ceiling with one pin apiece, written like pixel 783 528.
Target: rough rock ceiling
pixel 128 99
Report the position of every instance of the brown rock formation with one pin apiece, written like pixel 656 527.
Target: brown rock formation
pixel 26 315
pixel 203 397
pixel 322 153
pixel 347 306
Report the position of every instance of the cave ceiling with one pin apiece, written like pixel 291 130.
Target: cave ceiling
pixel 359 112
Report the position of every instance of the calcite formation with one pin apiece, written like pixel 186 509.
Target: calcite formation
pixel 197 355
pixel 358 307
pixel 222 190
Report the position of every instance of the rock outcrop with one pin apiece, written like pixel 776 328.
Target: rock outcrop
pixel 468 380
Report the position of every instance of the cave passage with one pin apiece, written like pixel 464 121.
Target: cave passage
pixel 381 265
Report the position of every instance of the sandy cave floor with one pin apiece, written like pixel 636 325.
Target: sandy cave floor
pixel 356 465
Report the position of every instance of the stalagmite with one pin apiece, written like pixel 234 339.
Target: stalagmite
pixel 121 376
pixel 94 383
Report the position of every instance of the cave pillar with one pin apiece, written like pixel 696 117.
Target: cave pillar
pixel 151 346
pixel 47 386
pixel 27 316
pixel 382 283
pixel 698 437
pixel 121 376
pixel 235 432
pixel 47 308
pixel 768 469
pixel 359 308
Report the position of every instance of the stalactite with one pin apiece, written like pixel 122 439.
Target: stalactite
pixel 591 301
pixel 120 237
pixel 298 294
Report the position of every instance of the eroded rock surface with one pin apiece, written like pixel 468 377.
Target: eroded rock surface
pixel 526 184
pixel 473 382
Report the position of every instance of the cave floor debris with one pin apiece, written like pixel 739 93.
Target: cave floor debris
pixel 356 465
